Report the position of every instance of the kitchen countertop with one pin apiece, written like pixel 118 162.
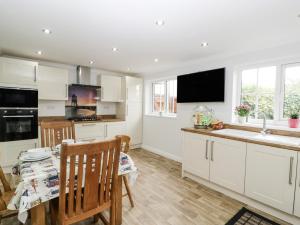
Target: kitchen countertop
pixel 100 119
pixel 209 132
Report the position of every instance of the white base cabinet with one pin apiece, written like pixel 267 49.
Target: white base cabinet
pixel 219 160
pixel 227 163
pixel 195 154
pixel 271 175
pixel 297 192
pixel 115 128
pixel 9 152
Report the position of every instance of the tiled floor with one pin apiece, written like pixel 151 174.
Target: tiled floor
pixel 162 197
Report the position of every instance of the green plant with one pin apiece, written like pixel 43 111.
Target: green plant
pixel 242 110
pixel 294 116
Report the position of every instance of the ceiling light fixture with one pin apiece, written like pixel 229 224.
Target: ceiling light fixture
pixel 39 52
pixel 160 22
pixel 156 60
pixel 47 31
pixel 204 44
pixel 115 49
pixel 91 62
pixel 128 69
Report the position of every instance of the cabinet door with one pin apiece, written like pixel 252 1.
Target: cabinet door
pixel 297 192
pixel 52 83
pixel 115 128
pixel 111 88
pixel 134 121
pixel 271 175
pixel 228 162
pixel 18 72
pixel 134 89
pixel 195 154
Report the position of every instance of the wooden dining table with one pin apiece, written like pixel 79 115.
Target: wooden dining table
pixel 38 213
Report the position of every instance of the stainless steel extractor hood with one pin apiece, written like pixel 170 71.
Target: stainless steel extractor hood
pixel 83 76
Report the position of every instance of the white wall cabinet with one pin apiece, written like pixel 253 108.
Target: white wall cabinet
pixel 9 152
pixel 271 175
pixel 196 155
pixel 134 109
pixel 111 88
pixel 18 72
pixel 227 163
pixel 297 192
pixel 52 83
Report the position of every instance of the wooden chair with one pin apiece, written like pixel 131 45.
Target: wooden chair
pixel 88 163
pixel 5 198
pixel 53 132
pixel 125 141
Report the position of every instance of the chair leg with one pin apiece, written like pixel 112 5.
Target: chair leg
pixel 53 212
pixel 128 191
pixel 112 216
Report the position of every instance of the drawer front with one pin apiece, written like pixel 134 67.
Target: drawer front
pixel 89 130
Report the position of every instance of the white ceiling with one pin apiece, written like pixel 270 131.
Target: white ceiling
pixel 85 30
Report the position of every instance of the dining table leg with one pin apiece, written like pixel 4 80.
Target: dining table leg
pixel 38 214
pixel 119 201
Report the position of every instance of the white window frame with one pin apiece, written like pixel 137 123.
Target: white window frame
pixel 279 89
pixel 164 112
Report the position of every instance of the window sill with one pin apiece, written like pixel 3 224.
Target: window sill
pixel 162 116
pixel 269 126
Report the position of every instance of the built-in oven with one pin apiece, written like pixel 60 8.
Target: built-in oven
pixel 18 98
pixel 18 114
pixel 18 124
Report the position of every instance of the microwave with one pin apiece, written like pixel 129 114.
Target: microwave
pixel 18 97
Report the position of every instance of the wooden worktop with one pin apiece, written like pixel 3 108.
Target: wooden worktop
pixel 209 132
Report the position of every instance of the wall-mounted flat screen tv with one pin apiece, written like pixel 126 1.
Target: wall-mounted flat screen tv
pixel 206 86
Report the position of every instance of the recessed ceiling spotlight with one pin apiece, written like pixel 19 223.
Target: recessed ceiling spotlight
pixel 160 22
pixel 115 49
pixel 91 62
pixel 47 31
pixel 156 60
pixel 39 52
pixel 128 69
pixel 204 44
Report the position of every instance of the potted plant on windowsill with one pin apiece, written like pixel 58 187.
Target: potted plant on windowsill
pixel 294 120
pixel 242 111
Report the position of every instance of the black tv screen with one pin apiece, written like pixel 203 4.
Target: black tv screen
pixel 206 86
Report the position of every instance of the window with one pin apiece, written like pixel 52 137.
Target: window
pixel 291 102
pixel 273 91
pixel 164 97
pixel 258 91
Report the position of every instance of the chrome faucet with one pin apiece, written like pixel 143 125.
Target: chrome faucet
pixel 264 130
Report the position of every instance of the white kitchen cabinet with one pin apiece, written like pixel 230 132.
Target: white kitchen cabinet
pixel 115 128
pixel 297 192
pixel 111 88
pixel 9 152
pixel 271 175
pixel 227 163
pixel 52 83
pixel 90 131
pixel 18 72
pixel 134 109
pixel 196 154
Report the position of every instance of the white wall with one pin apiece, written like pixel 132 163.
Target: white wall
pixel 163 136
pixel 57 108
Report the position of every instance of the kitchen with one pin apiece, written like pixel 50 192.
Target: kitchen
pixel 161 112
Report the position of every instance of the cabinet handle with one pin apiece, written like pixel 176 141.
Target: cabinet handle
pixel 66 91
pixel 206 149
pixel 105 131
pixel 291 170
pixel 88 125
pixel 212 151
pixel 35 77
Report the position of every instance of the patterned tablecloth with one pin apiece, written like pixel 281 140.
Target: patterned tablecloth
pixel 40 181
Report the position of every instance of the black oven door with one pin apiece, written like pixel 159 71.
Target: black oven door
pixel 18 98
pixel 18 125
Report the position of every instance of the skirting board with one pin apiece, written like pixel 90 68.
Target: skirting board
pixel 244 199
pixel 162 153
